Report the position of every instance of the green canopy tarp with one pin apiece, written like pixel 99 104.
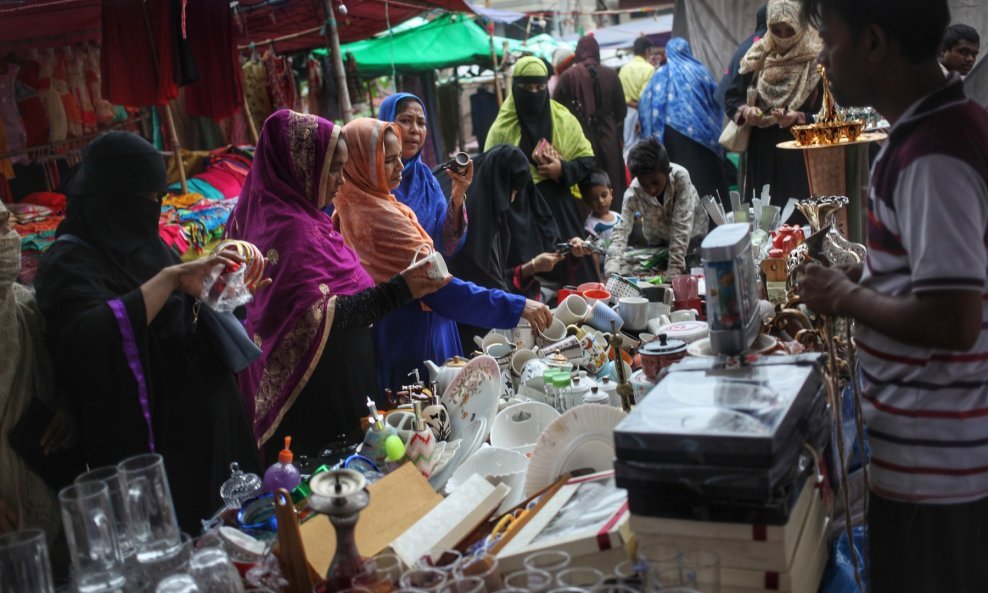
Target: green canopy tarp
pixel 450 40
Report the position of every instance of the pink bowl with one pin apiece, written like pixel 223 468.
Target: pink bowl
pixel 590 286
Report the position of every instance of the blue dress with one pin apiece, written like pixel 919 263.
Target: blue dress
pixel 410 335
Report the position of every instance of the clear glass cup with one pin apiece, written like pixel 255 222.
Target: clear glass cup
pixel 616 588
pixel 87 516
pixel 179 583
pixel 628 572
pixel 569 590
pixel 373 581
pixel 386 566
pixel 484 566
pixel 110 476
pixel 579 576
pixel 551 561
pixel 533 580
pixel 444 560
pixel 154 524
pixel 700 569
pixel 465 585
pixel 662 579
pixel 654 558
pixel 212 570
pixel 24 564
pixel 427 579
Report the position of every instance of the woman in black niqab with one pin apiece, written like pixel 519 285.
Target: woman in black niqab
pixel 116 299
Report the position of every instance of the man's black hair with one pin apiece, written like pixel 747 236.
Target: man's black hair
pixel 648 156
pixel 642 45
pixel 917 25
pixel 960 32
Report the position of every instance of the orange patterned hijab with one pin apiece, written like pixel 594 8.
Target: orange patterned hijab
pixel 384 232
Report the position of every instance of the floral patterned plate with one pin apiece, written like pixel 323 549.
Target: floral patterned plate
pixel 473 394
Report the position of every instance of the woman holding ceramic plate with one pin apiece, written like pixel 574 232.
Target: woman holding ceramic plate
pixel 313 322
pixel 387 236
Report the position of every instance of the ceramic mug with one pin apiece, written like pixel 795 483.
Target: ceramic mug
pixel 658 310
pixel 523 336
pixel 610 371
pixel 532 371
pixel 518 361
pixel 489 340
pixel 435 265
pixel 601 317
pixel 501 353
pixel 569 347
pixel 596 294
pixel 573 310
pixel 594 352
pixel 555 332
pixel 683 315
pixel 634 312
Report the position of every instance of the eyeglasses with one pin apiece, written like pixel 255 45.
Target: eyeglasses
pixel 534 87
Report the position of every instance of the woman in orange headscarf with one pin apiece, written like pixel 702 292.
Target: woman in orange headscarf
pixel 387 236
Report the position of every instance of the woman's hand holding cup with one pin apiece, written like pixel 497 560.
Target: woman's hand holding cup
pixel 537 314
pixel 419 282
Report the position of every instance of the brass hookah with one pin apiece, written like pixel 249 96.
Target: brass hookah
pixel 830 127
pixel 624 388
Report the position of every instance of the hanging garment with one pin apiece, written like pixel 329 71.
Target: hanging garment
pixel 76 79
pixel 30 103
pixel 57 121
pixel 256 92
pixel 16 135
pixel 281 81
pixel 94 83
pixel 218 93
pixel 60 83
pixel 131 75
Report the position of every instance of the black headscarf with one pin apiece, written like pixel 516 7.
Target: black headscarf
pixel 534 112
pixel 503 234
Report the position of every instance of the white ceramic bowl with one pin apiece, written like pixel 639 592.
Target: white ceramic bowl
pixel 497 465
pixel 520 425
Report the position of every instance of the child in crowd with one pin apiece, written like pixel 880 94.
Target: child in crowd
pixel 959 50
pixel 598 195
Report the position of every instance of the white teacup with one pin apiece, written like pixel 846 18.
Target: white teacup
pixel 489 340
pixel 634 312
pixel 519 359
pixel 683 315
pixel 501 353
pixel 523 336
pixel 554 333
pixel 435 263
pixel 573 310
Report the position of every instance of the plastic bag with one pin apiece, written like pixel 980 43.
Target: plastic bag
pixel 839 575
pixel 224 289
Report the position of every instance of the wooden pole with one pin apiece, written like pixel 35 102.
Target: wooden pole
pixel 339 72
pixel 495 66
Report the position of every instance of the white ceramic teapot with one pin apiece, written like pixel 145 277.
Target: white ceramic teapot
pixel 442 376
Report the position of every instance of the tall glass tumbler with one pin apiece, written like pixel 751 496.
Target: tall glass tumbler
pixel 97 565
pixel 212 570
pixel 110 476
pixel 154 524
pixel 24 564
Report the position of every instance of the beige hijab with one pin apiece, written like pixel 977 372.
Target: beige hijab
pixel 24 373
pixel 786 68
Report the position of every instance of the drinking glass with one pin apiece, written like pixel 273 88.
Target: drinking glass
pixel 24 562
pixel 627 572
pixel 655 558
pixel 178 583
pixel 444 560
pixel 533 580
pixel 89 531
pixel 551 561
pixel 579 577
pixel 372 580
pixel 154 524
pixel 664 578
pixel 110 476
pixel 212 570
pixel 616 588
pixel 569 590
pixel 701 570
pixel 427 579
pixel 483 566
pixel 465 585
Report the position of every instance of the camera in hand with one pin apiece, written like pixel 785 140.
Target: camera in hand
pixel 563 248
pixel 458 163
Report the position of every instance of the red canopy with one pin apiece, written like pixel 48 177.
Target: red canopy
pixel 261 20
pixel 42 23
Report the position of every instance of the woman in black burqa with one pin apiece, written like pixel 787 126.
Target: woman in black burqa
pixel 120 306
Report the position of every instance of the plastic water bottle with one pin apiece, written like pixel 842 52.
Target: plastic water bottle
pixel 283 474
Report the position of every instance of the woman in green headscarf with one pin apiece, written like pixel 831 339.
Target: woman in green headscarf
pixel 525 118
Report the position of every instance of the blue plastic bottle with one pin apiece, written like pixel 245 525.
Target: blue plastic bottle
pixel 282 474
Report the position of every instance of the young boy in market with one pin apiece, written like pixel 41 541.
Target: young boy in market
pixel 597 195
pixel 960 49
pixel 919 303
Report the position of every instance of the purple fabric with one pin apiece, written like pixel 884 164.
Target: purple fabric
pixel 278 211
pixel 133 355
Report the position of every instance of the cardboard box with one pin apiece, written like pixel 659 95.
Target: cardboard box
pixel 397 501
pixel 587 517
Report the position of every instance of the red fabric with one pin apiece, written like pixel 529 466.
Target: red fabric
pixel 69 21
pixel 48 199
pixel 218 93
pixel 30 106
pixel 130 75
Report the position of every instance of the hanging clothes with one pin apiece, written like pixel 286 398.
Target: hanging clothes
pixel 281 80
pixel 30 103
pixel 60 83
pixel 131 75
pixel 13 125
pixel 218 93
pixel 94 83
pixel 76 79
pixel 256 92
pixel 483 111
pixel 6 166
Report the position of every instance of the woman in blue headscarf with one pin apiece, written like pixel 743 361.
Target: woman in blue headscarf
pixel 679 109
pixel 445 221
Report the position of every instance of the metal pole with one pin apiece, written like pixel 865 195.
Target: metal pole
pixel 339 72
